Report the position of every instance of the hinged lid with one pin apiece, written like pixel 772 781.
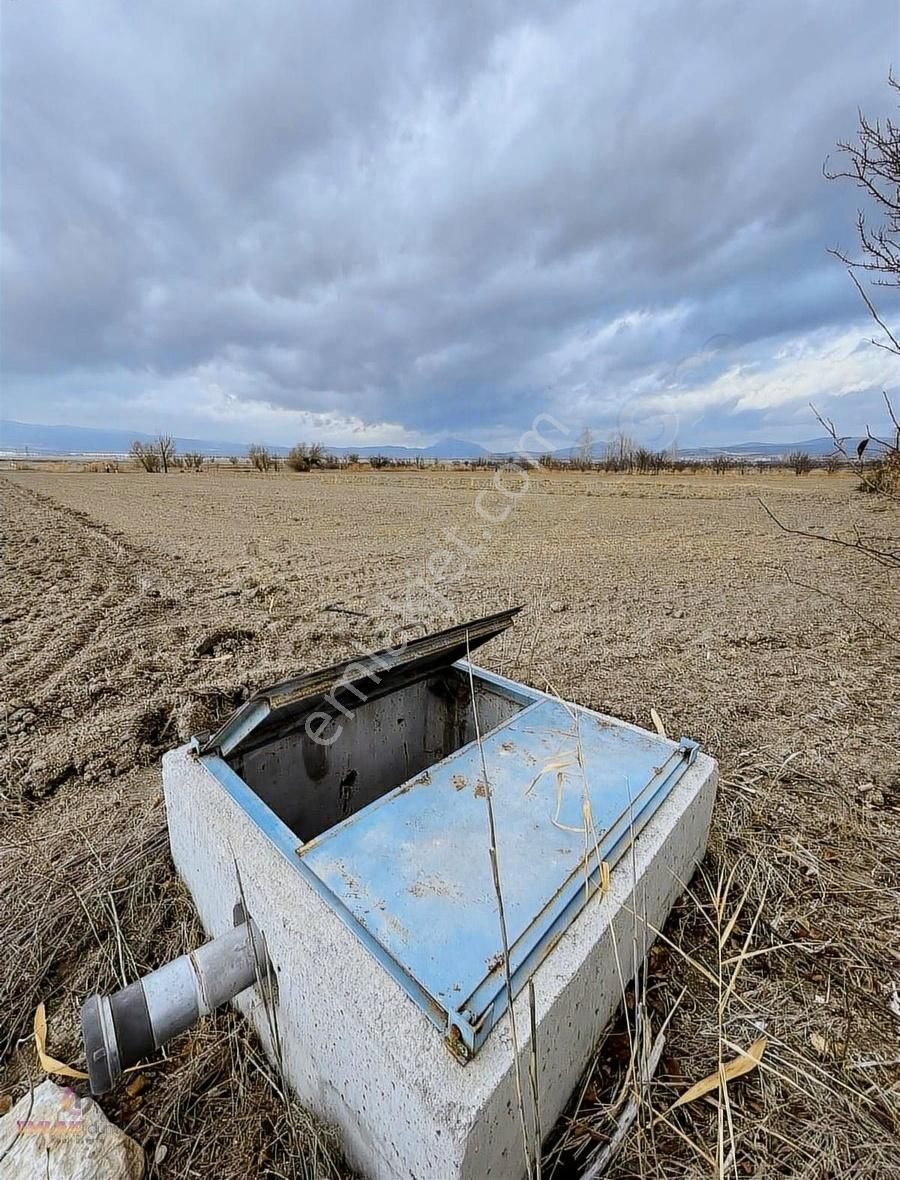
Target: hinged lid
pixel 365 677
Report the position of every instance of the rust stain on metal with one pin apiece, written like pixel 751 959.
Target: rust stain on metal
pixel 354 886
pixel 431 885
pixel 422 780
pixel 459 782
pixel 551 944
pixel 397 928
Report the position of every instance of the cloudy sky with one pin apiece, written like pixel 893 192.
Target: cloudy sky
pixel 387 222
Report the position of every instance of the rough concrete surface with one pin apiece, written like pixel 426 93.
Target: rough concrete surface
pixel 355 1047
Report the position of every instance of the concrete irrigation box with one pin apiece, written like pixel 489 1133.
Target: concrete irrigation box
pixel 350 809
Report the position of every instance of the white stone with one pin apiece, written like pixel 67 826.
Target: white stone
pixel 52 1134
pixel 359 1052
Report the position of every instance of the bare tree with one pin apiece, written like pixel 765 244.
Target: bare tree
pixel 260 456
pixel 647 461
pixel 298 457
pixel 620 453
pixel 800 462
pixel 584 452
pixel 872 162
pixel 722 464
pixel 878 471
pixel 146 455
pixel 165 445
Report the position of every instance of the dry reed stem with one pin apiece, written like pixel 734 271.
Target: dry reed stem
pixel 532 1156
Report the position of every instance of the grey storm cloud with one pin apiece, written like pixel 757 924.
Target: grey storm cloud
pixel 446 217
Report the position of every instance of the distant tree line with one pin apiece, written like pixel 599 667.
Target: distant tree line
pixel 621 455
pixel 301 457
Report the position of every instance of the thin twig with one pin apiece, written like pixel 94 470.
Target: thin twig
pixel 894 346
pixel 629 1114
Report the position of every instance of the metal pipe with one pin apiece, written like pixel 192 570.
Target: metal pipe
pixel 120 1029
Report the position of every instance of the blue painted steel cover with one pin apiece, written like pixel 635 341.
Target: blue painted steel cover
pixel 569 789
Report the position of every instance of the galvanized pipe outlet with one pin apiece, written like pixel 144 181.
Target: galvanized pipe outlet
pixel 120 1029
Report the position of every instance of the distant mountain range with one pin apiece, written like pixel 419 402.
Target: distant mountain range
pixel 20 438
pixel 812 446
pixel 749 450
pixel 27 437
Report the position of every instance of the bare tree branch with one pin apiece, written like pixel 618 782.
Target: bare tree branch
pixel 894 345
pixel 888 558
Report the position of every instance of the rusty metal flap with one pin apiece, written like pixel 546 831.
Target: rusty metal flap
pixel 365 677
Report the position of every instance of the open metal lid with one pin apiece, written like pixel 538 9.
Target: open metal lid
pixel 363 678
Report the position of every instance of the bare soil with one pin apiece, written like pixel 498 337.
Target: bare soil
pixel 139 609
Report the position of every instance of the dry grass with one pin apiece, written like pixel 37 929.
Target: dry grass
pixel 133 618
pixel 884 475
pixel 739 960
pixel 89 900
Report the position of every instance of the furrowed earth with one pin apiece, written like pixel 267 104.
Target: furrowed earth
pixel 139 609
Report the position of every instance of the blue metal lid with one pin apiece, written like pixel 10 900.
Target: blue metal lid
pixel 570 789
